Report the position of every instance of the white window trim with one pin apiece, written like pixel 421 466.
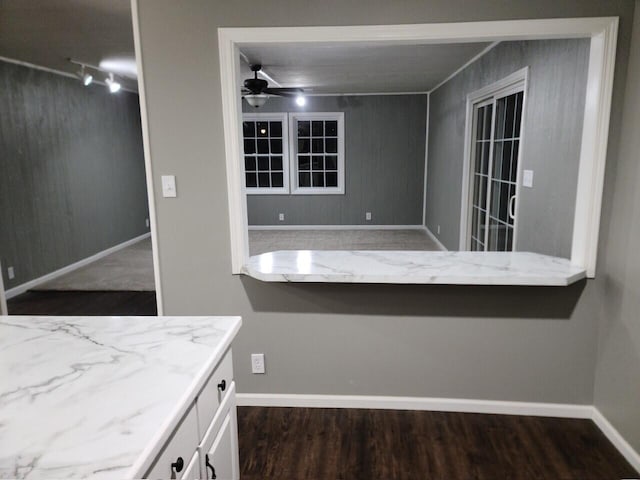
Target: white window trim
pixel 293 145
pixel 281 117
pixel 516 82
pixel 603 32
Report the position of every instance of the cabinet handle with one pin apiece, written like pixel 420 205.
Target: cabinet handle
pixel 222 386
pixel 177 466
pixel 213 470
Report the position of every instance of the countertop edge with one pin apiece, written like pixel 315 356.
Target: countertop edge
pixel 145 459
pixel 553 280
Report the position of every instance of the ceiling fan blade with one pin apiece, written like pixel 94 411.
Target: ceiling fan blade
pixel 284 92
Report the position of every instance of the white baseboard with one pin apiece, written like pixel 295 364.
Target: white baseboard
pixel 435 239
pixel 614 437
pixel 12 292
pixel 416 403
pixel 336 227
pixel 558 410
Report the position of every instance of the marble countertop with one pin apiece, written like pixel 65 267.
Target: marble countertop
pixel 453 268
pixel 96 396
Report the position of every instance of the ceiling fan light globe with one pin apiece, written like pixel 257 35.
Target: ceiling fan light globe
pixel 256 101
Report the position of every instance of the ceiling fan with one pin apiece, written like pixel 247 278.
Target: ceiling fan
pixel 256 91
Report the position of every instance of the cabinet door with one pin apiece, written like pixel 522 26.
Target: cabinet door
pixel 221 460
pixel 192 472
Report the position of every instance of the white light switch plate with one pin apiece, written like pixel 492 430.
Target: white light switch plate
pixel 527 178
pixel 169 186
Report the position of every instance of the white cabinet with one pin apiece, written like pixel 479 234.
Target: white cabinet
pixel 204 445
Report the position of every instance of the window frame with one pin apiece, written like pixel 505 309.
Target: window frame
pixel 293 155
pixel 272 116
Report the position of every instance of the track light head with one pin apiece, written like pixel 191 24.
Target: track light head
pixel 113 85
pixel 86 77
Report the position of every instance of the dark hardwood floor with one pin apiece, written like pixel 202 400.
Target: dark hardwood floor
pixel 303 443
pixel 83 303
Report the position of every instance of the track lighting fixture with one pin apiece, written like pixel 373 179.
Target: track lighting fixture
pixel 87 78
pixel 112 84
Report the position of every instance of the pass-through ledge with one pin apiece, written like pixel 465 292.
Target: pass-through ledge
pixel 413 267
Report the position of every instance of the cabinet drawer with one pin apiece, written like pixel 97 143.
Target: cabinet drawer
pixel 216 388
pixel 182 445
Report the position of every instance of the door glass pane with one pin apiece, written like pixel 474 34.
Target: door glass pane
pixel 488 112
pixel 500 118
pixel 518 122
pixel 480 123
pixel 513 174
pixel 504 172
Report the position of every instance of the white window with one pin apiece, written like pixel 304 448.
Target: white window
pixel 317 152
pixel 266 153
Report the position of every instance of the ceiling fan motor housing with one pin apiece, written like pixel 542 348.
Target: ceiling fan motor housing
pixel 255 85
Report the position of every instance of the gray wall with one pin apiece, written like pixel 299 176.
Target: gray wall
pixel 551 146
pixel 73 179
pixel 384 165
pixel 617 392
pixel 501 343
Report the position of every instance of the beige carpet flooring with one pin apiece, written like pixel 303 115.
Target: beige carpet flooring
pixel 129 269
pixel 261 241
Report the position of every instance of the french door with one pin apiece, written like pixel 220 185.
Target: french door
pixel 495 151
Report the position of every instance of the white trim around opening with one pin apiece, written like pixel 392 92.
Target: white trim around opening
pixel 601 30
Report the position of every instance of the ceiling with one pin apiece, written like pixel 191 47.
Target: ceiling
pixel 351 68
pixel 47 32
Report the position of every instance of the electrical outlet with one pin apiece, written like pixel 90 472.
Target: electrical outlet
pixel 438 229
pixel 11 273
pixel 281 217
pixel 146 222
pixel 257 363
pixel 367 216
